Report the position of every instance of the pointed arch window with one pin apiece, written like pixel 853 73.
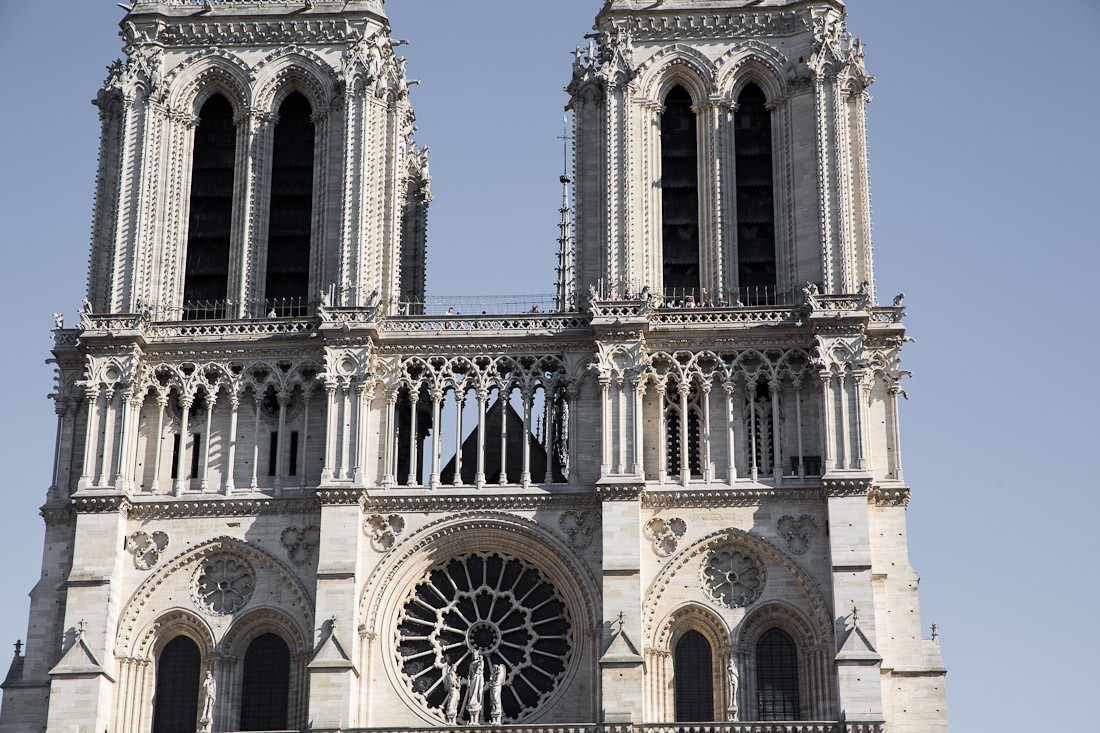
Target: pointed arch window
pixel 176 701
pixel 755 198
pixel 693 672
pixel 210 219
pixel 265 689
pixel 290 223
pixel 776 676
pixel 679 195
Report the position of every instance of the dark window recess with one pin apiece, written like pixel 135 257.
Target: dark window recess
pixel 672 432
pixel 265 689
pixel 776 676
pixel 755 202
pixel 176 701
pixel 291 219
pixel 694 676
pixel 209 225
pixel 679 194
pixel 293 471
pixel 175 456
pixel 196 448
pixel 812 464
pixel 273 453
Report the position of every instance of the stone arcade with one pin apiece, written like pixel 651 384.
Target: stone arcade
pixel 290 494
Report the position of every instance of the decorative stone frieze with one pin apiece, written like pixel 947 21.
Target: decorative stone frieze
pixel 840 487
pixel 889 496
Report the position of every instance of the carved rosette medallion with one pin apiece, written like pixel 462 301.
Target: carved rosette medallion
pixel 223 584
pixel 492 605
pixel 665 534
pixel 797 532
pixel 733 577
pixel 146 548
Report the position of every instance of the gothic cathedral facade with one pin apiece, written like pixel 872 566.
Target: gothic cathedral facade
pixel 289 496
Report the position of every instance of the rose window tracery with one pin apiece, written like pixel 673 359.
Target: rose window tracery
pixel 223 585
pixel 732 577
pixel 490 605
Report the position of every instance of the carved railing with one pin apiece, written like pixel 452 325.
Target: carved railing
pixel 229 329
pixel 690 316
pixel 888 314
pixel 826 726
pixel 629 308
pixel 453 323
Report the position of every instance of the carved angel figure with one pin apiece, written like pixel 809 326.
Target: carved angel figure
pixel 497 712
pixel 453 687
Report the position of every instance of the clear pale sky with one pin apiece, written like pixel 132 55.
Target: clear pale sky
pixel 985 173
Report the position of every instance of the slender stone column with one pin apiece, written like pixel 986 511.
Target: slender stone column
pixel 437 405
pixel 183 465
pixel 525 475
pixel 204 482
pixel 504 398
pixel 91 434
pixel 662 435
pixel 460 401
pixel 572 393
pixel 59 410
pixel 895 429
pixel 548 433
pixel 755 470
pixel 228 484
pixel 344 470
pixel 638 469
pixel 389 478
pixel 158 445
pixel 731 436
pixel 828 407
pixel 605 426
pixel 482 398
pixel 414 437
pixel 358 437
pixel 283 398
pixel 108 436
pixel 620 454
pixel 257 399
pixel 777 449
pixel 685 443
pixel 708 469
pixel 332 431
pixel 798 421
pixel 844 460
pixel 862 388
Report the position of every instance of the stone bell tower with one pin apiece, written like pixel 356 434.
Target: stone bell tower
pixel 750 180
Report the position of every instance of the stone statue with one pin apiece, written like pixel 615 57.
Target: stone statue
pixel 58 320
pixel 497 684
pixel 86 306
pixel 453 687
pixel 899 300
pixel 209 695
pixel 731 679
pixel 475 690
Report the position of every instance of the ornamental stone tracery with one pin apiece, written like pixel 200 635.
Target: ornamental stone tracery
pixel 733 577
pixel 494 606
pixel 223 584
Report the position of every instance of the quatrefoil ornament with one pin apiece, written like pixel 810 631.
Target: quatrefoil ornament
pixel 580 527
pixel 300 544
pixel 146 548
pixel 665 534
pixel 383 530
pixel 797 532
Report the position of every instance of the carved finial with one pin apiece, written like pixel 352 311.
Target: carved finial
pixel 332 624
pixel 621 621
pixel 935 631
pixel 19 645
pixel 81 627
pixel 855 617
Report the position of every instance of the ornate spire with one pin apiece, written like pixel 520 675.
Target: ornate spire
pixel 563 299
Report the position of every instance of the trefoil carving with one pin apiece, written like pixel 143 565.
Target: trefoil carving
pixel 665 534
pixel 146 548
pixel 797 532
pixel 300 544
pixel 580 527
pixel 383 530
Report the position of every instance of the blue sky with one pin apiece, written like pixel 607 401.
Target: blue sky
pixel 985 166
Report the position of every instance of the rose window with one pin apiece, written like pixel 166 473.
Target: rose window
pixel 489 605
pixel 733 578
pixel 223 585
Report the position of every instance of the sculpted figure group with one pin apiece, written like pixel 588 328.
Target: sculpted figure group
pixel 475 692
